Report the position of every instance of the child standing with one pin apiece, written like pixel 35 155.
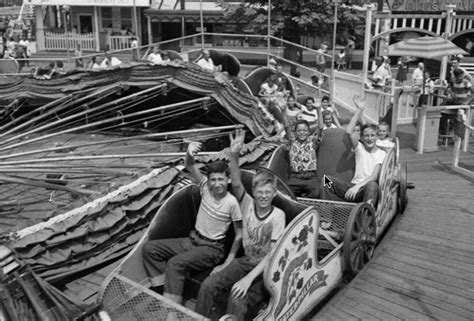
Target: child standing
pixel 341 59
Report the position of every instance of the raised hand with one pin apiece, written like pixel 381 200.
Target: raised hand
pixel 194 148
pixel 236 141
pixel 358 101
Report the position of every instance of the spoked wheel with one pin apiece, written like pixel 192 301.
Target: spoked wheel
pixel 359 239
pixel 402 193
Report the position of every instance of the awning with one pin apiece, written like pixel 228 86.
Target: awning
pixel 193 15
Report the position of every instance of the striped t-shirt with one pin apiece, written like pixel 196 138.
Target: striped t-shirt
pixel 214 216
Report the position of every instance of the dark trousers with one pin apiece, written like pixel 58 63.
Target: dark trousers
pixel 178 257
pixel 337 190
pixel 304 184
pixel 219 284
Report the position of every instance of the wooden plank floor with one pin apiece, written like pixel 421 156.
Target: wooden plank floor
pixel 424 267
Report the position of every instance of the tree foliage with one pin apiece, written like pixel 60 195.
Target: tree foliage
pixel 295 19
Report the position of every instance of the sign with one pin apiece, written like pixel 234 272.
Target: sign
pixel 430 5
pixel 198 29
pixel 93 3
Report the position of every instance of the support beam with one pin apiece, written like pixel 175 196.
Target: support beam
pixel 96 28
pixel 367 43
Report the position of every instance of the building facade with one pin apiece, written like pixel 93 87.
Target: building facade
pixel 94 24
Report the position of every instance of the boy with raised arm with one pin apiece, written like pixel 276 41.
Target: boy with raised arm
pixel 204 248
pixel 263 224
pixel 368 162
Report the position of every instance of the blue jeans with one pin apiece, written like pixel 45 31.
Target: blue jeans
pixel 339 188
pixel 179 257
pixel 220 284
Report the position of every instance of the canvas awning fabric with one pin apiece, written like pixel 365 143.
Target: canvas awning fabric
pixel 425 47
pixel 108 228
pixel 242 106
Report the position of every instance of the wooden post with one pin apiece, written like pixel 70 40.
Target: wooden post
pixel 447 31
pixel 269 30
pixel 96 29
pixel 148 25
pixel 40 42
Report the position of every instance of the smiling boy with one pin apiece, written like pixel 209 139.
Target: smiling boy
pixel 368 163
pixel 204 248
pixel 263 224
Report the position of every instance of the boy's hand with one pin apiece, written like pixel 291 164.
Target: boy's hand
pixel 236 141
pixel 317 103
pixel 358 101
pixel 240 288
pixel 194 148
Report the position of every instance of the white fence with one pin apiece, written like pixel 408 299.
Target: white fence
pixel 120 42
pixel 63 41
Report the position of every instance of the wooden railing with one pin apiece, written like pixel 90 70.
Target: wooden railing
pixel 462 131
pixel 63 41
pixel 120 42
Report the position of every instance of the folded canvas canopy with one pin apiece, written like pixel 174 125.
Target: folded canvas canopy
pixel 241 105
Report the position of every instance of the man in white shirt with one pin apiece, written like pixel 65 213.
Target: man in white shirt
pixel 417 76
pixel 109 62
pixel 206 62
pixel 380 74
pixel 155 56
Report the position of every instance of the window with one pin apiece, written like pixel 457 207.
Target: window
pixel 126 17
pixel 106 17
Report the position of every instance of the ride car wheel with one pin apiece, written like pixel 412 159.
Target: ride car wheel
pixel 359 239
pixel 402 193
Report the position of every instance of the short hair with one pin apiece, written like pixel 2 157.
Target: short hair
pixel 218 167
pixel 370 126
pixel 326 113
pixel 457 72
pixel 301 121
pixel 455 58
pixel 59 63
pixel 309 98
pixel 263 178
pixel 52 64
pixel 325 98
pixel 384 124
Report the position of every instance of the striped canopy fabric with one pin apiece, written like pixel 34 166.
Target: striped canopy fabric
pixel 425 47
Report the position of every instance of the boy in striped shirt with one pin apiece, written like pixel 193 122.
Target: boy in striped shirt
pixel 204 247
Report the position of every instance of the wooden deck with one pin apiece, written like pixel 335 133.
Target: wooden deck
pixel 424 267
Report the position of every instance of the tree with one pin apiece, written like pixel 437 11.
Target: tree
pixel 295 20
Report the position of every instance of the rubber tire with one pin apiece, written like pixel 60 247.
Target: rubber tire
pixel 366 244
pixel 402 192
